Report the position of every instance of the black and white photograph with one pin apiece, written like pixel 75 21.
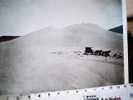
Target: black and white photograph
pixel 56 45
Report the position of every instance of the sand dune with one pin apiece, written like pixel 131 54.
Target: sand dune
pixel 27 64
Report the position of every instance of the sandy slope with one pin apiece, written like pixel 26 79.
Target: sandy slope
pixel 45 60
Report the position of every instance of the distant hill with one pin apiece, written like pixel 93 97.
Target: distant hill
pixel 7 38
pixel 118 29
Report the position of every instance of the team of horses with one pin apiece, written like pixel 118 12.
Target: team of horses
pixel 105 53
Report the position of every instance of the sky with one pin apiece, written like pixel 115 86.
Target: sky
pixel 19 17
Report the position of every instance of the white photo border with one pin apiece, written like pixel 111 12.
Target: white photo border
pixel 125 41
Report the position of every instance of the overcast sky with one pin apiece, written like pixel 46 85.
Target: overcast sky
pixel 18 17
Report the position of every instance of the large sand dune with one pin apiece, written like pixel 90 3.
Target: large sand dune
pixel 45 60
